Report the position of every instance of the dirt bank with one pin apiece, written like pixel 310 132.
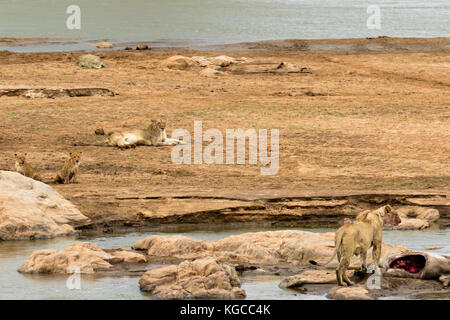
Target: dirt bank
pixel 362 121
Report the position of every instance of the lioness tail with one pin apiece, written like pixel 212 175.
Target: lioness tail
pixel 336 248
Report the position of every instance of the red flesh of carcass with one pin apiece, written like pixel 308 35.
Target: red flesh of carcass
pixel 411 264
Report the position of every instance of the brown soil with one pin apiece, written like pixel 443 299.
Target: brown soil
pixel 376 121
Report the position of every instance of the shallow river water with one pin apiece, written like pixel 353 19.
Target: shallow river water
pixel 18 286
pixel 168 23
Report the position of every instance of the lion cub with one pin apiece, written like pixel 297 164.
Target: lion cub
pixel 23 167
pixel 68 172
pixel 154 135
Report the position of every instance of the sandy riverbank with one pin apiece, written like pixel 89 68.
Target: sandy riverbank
pixel 363 120
pixel 372 44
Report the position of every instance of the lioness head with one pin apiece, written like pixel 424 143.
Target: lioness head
pixel 385 210
pixel 20 158
pixel 391 218
pixel 162 124
pixel 158 126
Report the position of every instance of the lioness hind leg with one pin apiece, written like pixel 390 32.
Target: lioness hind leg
pixel 347 280
pixel 122 145
pixel 363 261
pixel 376 254
pixel 170 142
pixel 339 278
pixel 342 272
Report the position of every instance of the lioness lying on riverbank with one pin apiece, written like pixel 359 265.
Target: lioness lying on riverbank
pixel 154 135
pixel 356 239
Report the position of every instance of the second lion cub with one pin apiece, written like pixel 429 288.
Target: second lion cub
pixel 68 172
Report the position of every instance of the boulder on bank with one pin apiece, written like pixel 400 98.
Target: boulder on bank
pixel 210 72
pixel 267 66
pixel 199 279
pixel 178 63
pixel 30 209
pixel 415 217
pixel 83 255
pixel 233 65
pixel 290 67
pixel 272 247
pixel 181 62
pixel 201 61
pixel 222 61
pixel 90 61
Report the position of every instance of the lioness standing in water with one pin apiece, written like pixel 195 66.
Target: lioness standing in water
pixel 154 135
pixel 356 239
pixel 23 167
pixel 68 172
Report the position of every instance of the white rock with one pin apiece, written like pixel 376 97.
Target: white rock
pixel 30 209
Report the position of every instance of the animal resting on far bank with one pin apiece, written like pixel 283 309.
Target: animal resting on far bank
pixel 153 135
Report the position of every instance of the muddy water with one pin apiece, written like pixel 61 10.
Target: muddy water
pixel 18 286
pixel 217 21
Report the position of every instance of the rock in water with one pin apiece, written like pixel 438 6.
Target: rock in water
pixel 201 61
pixel 86 256
pixel 271 247
pixel 104 45
pixel 311 277
pixel 90 61
pixel 30 209
pixel 127 256
pixel 349 293
pixel 199 279
pixel 433 248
